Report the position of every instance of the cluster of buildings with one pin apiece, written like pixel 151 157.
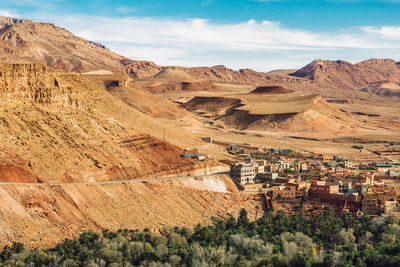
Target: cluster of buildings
pixel 348 187
pixel 194 154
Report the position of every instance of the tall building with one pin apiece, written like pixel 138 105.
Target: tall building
pixel 243 173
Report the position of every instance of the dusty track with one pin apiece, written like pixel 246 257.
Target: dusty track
pixel 116 181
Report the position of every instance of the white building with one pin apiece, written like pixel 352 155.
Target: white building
pixel 345 187
pixel 349 165
pixel 243 173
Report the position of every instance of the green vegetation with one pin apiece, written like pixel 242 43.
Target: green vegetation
pixel 324 240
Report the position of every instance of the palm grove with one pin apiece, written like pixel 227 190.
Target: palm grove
pixel 272 240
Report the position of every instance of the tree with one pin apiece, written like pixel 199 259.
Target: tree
pixel 329 260
pixel 299 260
pixel 257 208
pixel 243 220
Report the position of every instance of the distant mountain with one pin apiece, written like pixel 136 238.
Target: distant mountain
pixel 55 47
pixel 24 41
pixel 345 75
pixel 33 42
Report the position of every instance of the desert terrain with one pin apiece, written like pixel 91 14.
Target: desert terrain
pixel 303 118
pixel 72 111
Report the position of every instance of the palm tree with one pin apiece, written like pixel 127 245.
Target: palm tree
pixel 257 207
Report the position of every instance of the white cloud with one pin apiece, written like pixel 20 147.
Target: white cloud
pixel 259 45
pixel 201 34
pixel 6 13
pixel 386 32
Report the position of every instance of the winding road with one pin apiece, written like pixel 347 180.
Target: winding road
pixel 114 181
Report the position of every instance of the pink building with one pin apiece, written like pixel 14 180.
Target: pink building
pixel 324 188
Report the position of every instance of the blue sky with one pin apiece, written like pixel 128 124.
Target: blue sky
pixel 258 34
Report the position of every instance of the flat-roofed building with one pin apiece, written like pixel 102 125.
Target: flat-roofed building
pixel 267 176
pixel 284 192
pixel 366 179
pixel 324 188
pixel 260 168
pixel 327 158
pixel 391 208
pixel 345 187
pixel 243 173
pixel 371 206
pixel 349 165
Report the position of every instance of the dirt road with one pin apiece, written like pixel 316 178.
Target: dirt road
pixel 116 181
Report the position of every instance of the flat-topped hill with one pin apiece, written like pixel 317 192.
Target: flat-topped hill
pixel 274 89
pixel 291 112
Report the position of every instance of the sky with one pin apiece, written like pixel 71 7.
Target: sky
pixel 257 34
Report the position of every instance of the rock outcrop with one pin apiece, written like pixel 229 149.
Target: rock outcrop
pixel 39 84
pixel 7 21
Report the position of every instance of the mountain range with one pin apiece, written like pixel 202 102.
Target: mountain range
pixel 26 41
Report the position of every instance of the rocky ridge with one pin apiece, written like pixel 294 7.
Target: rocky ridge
pixel 345 75
pixel 37 83
pixel 7 21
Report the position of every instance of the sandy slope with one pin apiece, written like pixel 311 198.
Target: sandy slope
pixel 42 216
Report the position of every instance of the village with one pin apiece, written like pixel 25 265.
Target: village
pixel 291 181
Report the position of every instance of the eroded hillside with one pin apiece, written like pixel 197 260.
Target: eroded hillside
pixel 44 215
pixel 60 126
